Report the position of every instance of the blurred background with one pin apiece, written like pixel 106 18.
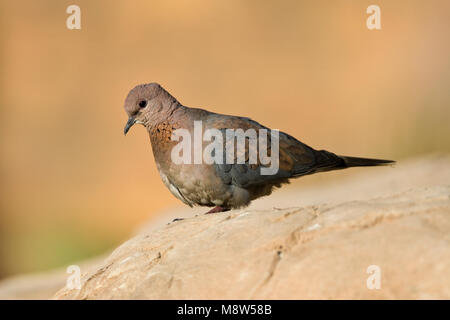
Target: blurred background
pixel 72 186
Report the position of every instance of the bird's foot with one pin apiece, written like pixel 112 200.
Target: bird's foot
pixel 217 209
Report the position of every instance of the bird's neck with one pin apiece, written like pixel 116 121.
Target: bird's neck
pixel 161 129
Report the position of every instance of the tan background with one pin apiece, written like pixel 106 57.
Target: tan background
pixel 72 185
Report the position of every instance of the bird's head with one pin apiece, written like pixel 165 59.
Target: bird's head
pixel 144 103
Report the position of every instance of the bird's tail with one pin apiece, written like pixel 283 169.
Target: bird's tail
pixel 364 162
pixel 327 161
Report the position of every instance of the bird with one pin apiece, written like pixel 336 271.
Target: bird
pixel 222 186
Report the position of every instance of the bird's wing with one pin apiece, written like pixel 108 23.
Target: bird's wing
pixel 295 158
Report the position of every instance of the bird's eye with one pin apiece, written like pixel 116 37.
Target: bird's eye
pixel 142 103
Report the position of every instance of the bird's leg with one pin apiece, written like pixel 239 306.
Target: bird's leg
pixel 217 209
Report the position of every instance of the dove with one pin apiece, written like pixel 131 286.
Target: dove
pixel 238 179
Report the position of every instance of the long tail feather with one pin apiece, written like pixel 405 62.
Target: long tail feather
pixel 364 162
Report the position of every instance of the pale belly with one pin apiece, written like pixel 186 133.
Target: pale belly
pixel 197 185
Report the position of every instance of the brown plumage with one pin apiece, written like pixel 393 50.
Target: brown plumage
pixel 223 186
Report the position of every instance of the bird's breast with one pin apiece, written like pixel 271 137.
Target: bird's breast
pixel 195 184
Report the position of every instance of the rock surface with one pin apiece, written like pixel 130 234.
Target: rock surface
pixel 312 242
pixel 320 251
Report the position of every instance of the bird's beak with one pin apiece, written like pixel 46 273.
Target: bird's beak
pixel 131 121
